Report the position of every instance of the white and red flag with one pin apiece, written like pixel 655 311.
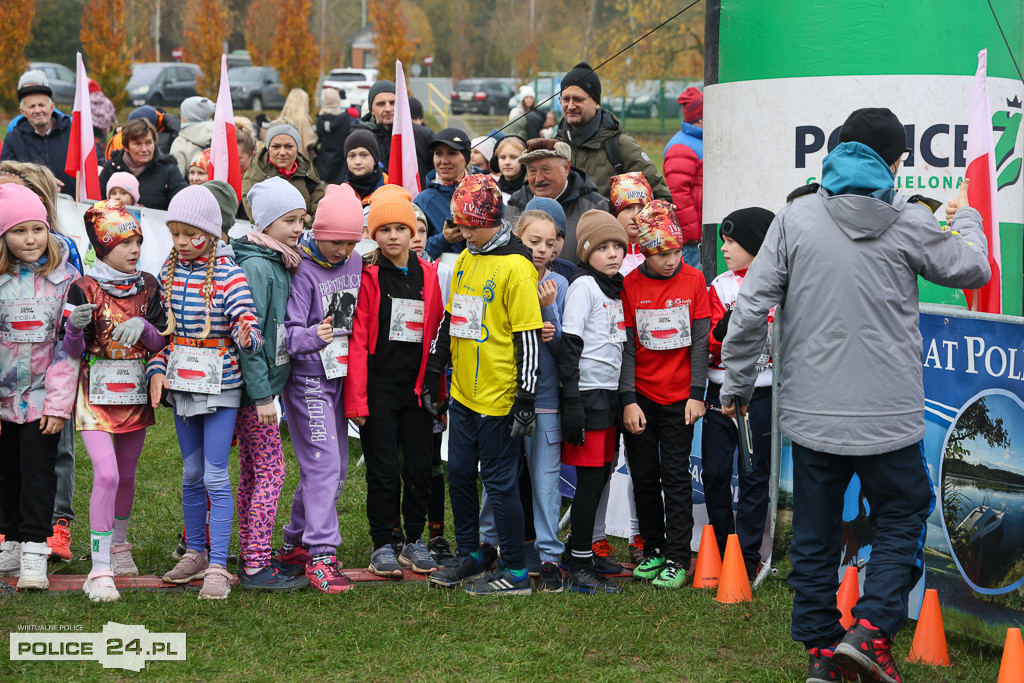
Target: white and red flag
pixel 81 162
pixel 981 193
pixel 224 163
pixel 402 167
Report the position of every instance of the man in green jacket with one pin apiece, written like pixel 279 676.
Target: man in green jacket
pixel 599 147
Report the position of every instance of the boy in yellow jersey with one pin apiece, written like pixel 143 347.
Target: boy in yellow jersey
pixel 491 336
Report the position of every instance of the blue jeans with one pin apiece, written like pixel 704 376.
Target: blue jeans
pixel 544 460
pixel 691 255
pixel 485 440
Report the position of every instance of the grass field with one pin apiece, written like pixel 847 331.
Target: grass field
pixel 405 631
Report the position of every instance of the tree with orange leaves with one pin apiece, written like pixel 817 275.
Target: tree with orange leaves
pixel 389 36
pixel 295 54
pixel 261 29
pixel 15 34
pixel 204 32
pixel 108 52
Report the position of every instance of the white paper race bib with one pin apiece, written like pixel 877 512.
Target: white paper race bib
pixel 659 329
pixel 616 321
pixel 117 382
pixel 406 320
pixel 334 358
pixel 280 350
pixel 196 371
pixel 468 316
pixel 29 320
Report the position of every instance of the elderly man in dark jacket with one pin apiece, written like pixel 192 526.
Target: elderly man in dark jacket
pixel 41 136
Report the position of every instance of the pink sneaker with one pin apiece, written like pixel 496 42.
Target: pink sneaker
pixel 292 562
pixel 326 576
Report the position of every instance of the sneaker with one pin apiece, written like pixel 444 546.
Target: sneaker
pixel 865 650
pixel 60 542
pixel 603 548
pixel 270 579
pixel 671 576
pixel 440 550
pixel 179 549
pixel 326 576
pixel 606 565
pixel 33 567
pixel 99 587
pixel 121 562
pixel 462 568
pixel 216 583
pixel 292 562
pixel 533 562
pixel 417 556
pixel 550 580
pixel 10 558
pixel 649 569
pixel 590 581
pixel 191 566
pixel 822 668
pixel 636 550
pixel 384 563
pixel 499 582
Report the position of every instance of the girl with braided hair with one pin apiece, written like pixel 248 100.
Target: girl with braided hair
pixel 210 317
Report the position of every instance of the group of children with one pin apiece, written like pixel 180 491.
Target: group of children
pixel 545 371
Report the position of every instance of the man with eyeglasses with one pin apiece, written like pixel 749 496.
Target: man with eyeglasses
pixel 600 148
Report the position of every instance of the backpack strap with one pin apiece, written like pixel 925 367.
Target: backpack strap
pixel 933 204
pixel 803 190
pixel 611 148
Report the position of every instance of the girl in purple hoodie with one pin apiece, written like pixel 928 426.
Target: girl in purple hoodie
pixel 318 325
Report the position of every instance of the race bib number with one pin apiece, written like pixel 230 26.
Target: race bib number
pixel 280 350
pixel 117 382
pixel 406 321
pixel 660 329
pixel 616 321
pixel 334 358
pixel 29 320
pixel 468 316
pixel 196 371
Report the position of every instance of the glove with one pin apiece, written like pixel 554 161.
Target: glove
pixel 524 419
pixel 722 327
pixel 431 387
pixel 82 315
pixel 574 422
pixel 128 332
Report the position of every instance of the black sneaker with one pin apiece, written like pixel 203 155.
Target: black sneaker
pixel 589 581
pixel 490 554
pixel 822 668
pixel 866 651
pixel 440 550
pixel 550 580
pixel 606 565
pixel 270 579
pixel 462 568
pixel 500 582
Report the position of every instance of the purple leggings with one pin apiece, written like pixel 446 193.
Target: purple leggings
pixel 114 460
pixel 259 488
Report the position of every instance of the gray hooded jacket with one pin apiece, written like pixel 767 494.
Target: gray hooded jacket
pixel 844 269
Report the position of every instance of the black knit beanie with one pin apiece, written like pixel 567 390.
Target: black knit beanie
pixel 879 129
pixel 747 227
pixel 584 77
pixel 365 139
pixel 377 88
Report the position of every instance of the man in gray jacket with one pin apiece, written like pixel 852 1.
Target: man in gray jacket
pixel 842 260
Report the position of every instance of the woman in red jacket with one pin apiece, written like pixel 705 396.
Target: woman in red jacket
pixel 399 308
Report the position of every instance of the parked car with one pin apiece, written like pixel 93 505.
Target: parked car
pixel 162 83
pixel 255 87
pixel 61 78
pixel 482 96
pixel 353 84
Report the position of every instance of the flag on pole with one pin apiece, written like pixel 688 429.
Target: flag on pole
pixel 224 163
pixel 81 162
pixel 981 193
pixel 402 167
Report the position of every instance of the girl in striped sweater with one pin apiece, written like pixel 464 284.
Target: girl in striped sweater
pixel 210 316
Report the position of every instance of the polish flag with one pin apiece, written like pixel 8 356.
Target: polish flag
pixel 81 160
pixel 402 167
pixel 224 147
pixel 981 193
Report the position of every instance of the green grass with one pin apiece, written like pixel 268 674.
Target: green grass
pixel 409 632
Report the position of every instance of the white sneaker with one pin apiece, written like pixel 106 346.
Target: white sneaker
pixel 33 566
pixel 10 558
pixel 121 562
pixel 99 586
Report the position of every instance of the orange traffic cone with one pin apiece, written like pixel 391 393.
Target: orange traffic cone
pixel 1011 669
pixel 709 562
pixel 929 646
pixel 733 584
pixel 846 598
